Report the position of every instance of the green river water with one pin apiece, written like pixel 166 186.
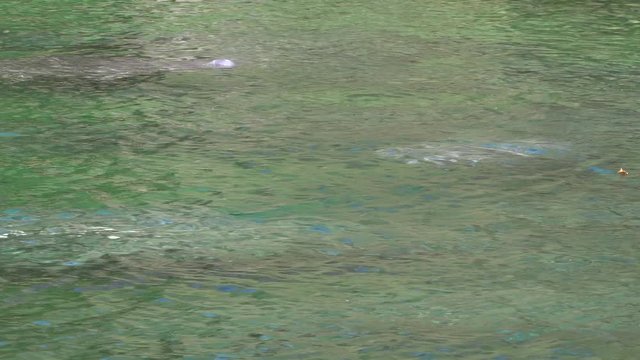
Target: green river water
pixel 263 212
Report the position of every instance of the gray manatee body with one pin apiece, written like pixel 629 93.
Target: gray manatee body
pixel 96 68
pixel 470 154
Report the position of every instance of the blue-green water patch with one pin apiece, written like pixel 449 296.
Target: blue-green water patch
pixel 579 353
pixel 9 134
pixel 42 323
pixel 601 171
pixel 322 229
pixel 236 289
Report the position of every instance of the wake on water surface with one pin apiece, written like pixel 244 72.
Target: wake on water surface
pixel 471 154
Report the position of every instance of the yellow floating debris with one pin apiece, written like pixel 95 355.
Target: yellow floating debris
pixel 623 172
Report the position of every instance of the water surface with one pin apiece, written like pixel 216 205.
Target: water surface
pixel 181 213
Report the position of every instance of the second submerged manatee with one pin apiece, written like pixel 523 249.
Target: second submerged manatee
pixel 98 68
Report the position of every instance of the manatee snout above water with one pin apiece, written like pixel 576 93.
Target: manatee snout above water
pixel 222 64
pixel 96 68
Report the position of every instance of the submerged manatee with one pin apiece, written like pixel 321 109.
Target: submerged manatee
pixel 451 153
pixel 97 68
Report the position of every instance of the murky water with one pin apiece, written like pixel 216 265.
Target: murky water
pixel 373 180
